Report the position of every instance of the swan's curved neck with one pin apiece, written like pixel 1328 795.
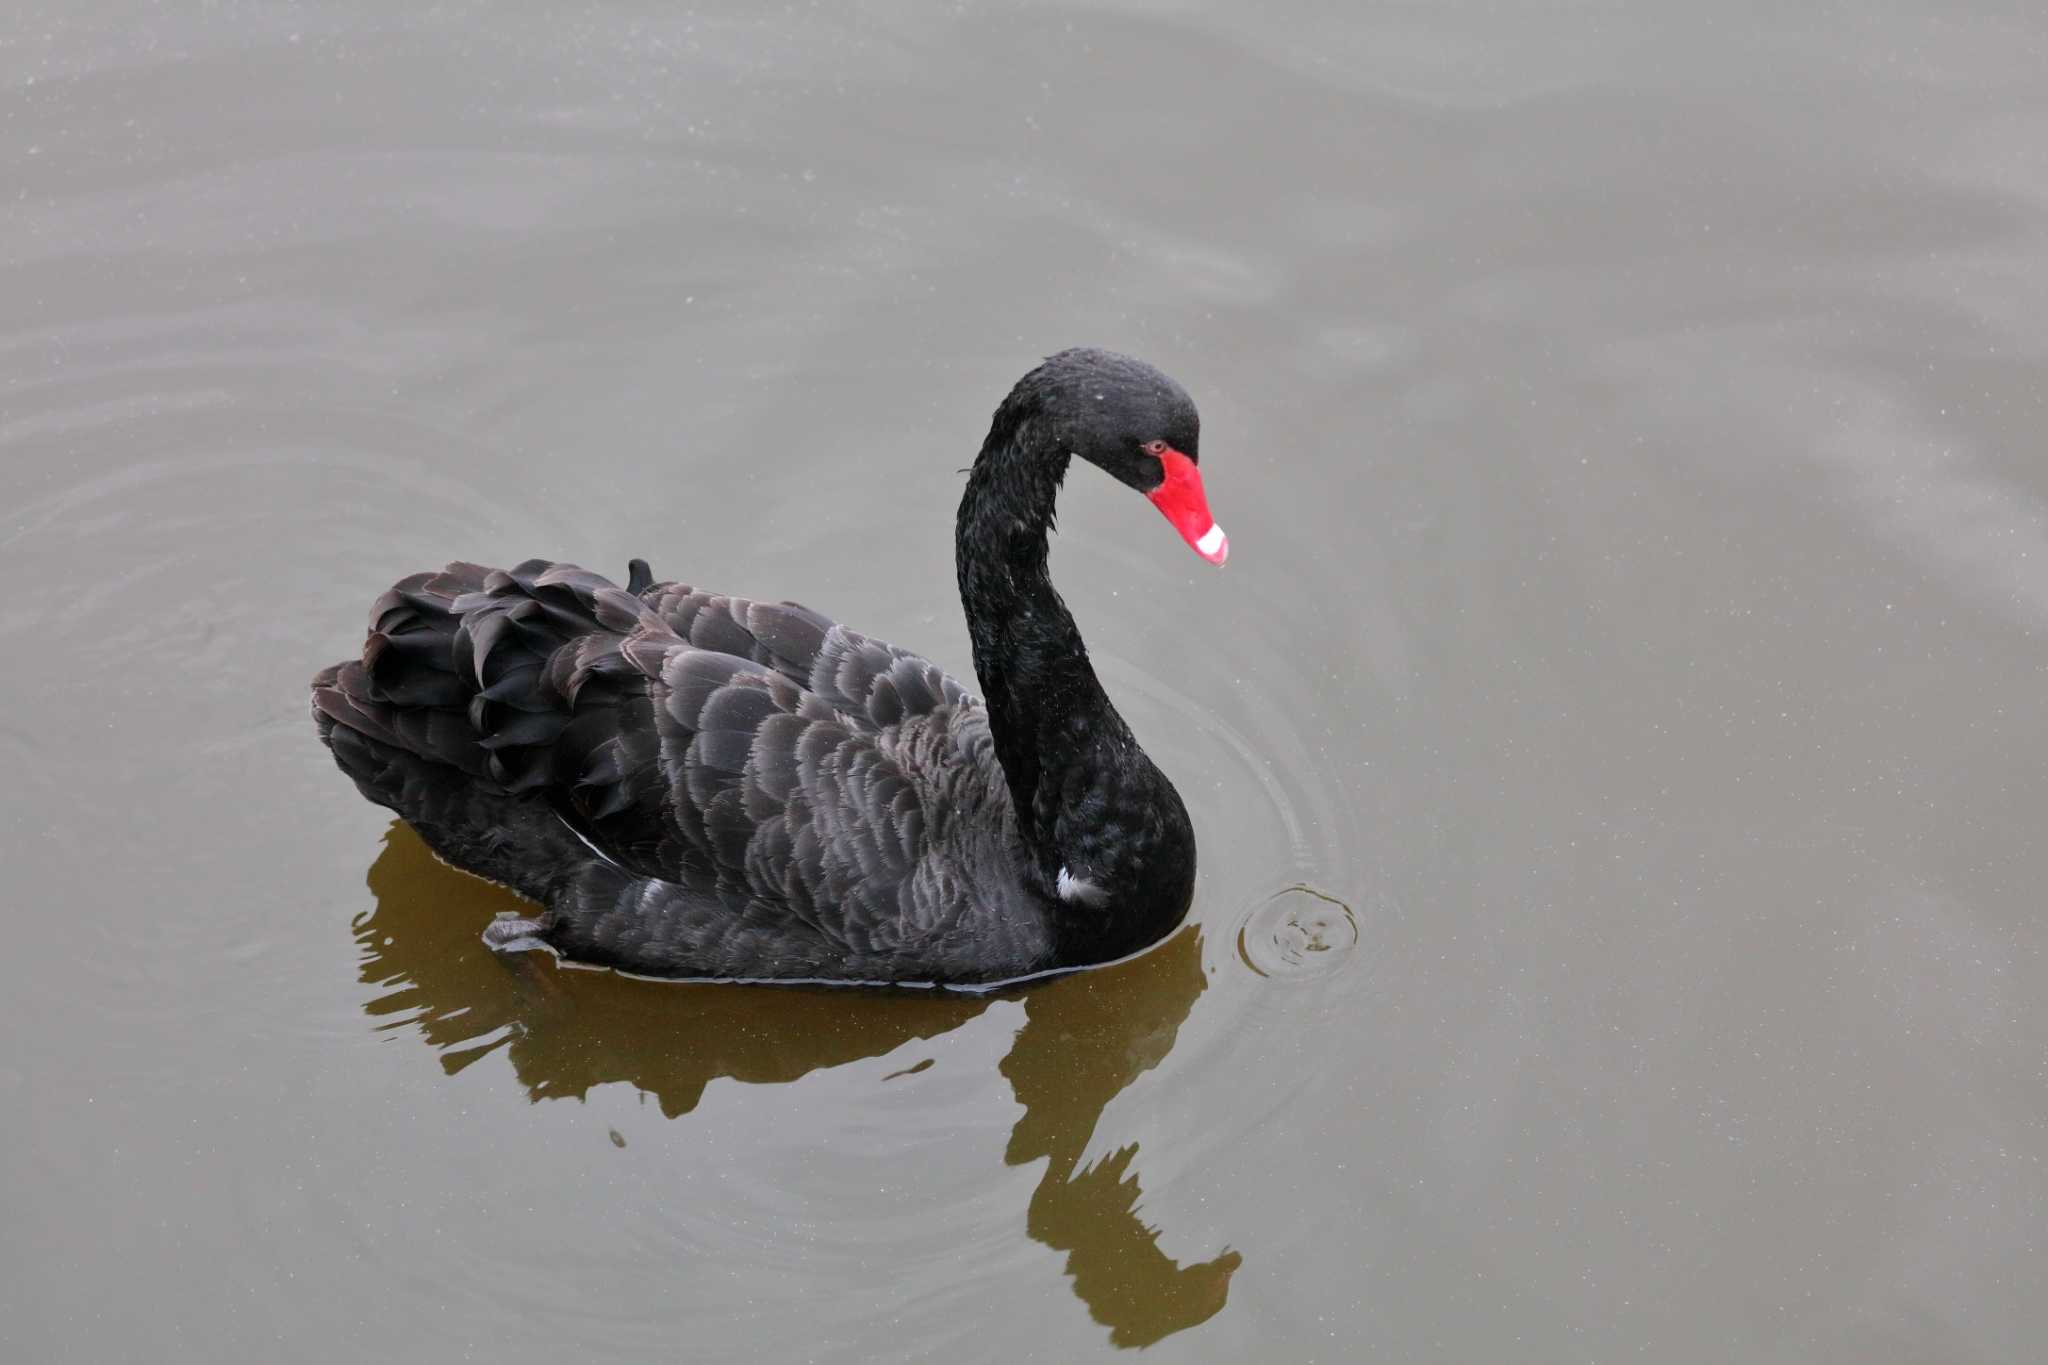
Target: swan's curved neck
pixel 1047 711
pixel 1105 831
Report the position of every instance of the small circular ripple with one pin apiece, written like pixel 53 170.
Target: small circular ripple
pixel 1298 934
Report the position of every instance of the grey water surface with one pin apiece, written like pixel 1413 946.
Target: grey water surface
pixel 1618 744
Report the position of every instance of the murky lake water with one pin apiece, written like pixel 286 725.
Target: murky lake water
pixel 1618 745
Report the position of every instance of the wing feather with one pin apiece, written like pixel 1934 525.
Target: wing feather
pixel 747 750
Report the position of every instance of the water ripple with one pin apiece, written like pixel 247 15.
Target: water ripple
pixel 1297 935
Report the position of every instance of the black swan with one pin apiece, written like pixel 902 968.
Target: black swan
pixel 700 786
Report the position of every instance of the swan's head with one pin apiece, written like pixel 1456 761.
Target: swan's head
pixel 1128 419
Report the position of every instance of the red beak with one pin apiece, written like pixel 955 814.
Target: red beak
pixel 1184 504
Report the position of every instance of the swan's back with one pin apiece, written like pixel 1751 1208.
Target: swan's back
pixel 693 784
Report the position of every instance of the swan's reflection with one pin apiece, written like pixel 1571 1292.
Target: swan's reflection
pixel 1085 1038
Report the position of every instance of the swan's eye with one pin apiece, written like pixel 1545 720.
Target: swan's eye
pixel 1155 447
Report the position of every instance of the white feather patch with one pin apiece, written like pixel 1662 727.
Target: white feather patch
pixel 1079 890
pixel 580 838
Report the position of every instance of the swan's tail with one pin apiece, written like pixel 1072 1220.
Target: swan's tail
pixel 404 699
pixel 448 716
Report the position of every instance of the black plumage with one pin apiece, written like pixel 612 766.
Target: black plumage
pixel 698 785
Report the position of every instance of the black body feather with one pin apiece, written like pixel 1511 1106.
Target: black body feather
pixel 696 785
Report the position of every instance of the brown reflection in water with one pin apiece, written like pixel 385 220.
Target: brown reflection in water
pixel 1085 1038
